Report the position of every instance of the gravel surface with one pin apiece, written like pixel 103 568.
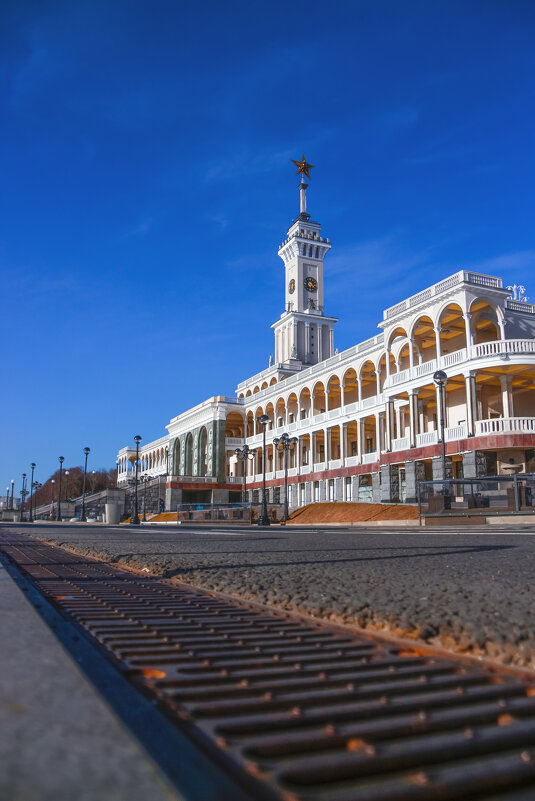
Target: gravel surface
pixel 471 592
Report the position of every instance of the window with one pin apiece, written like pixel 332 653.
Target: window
pixel 331 489
pixel 316 491
pixel 347 488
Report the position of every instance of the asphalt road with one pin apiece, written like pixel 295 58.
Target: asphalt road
pixel 470 591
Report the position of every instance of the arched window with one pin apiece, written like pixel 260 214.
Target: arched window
pixel 203 449
pixel 188 454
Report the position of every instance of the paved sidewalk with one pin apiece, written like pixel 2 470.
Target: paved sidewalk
pixel 59 741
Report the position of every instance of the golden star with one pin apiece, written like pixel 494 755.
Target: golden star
pixel 303 166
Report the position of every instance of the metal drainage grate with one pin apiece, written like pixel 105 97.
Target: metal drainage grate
pixel 308 711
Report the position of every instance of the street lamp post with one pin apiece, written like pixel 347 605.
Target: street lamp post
pixel 22 496
pixel 144 480
pixel 36 486
pixel 61 459
pixel 12 493
pixel 83 517
pixel 244 454
pixel 135 519
pixel 66 485
pixel 287 443
pixel 30 516
pixel 93 477
pixel 263 519
pixel 440 378
pixel 52 502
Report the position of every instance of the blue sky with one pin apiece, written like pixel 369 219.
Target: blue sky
pixel 146 184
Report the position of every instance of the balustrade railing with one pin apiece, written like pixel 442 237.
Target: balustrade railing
pixel 369 458
pixel 425 368
pixel 401 444
pixel 504 425
pixel 455 432
pixel 504 346
pixel 448 359
pixel 427 438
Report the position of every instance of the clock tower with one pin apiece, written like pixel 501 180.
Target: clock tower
pixel 303 334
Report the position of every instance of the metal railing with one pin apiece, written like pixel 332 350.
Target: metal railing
pixel 484 496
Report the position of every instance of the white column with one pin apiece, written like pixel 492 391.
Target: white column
pixel 438 329
pixel 502 324
pixel 378 432
pixel 294 335
pixel 413 417
pixel 343 443
pixel 468 331
pixel 360 426
pixel 505 381
pixel 387 365
pixel 389 421
pixel 400 418
pixel 471 414
pixel 359 388
pixel 319 342
pixel 326 445
pixel 331 341
pixel 307 341
pixel 411 353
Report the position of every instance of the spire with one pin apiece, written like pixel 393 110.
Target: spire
pixel 303 168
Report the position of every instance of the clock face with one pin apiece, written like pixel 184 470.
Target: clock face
pixel 310 284
pixel 291 286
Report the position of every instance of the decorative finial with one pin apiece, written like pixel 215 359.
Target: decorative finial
pixel 303 167
pixel 518 293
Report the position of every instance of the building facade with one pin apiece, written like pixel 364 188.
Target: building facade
pixel 367 420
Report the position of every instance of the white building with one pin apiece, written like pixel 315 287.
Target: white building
pixel 367 419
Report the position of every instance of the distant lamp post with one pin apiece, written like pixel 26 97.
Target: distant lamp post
pixel 83 517
pixel 53 500
pixel 61 459
pixel 263 519
pixel 30 516
pixel 244 454
pixel 66 485
pixel 288 443
pixel 144 480
pixel 22 496
pixel 93 477
pixel 36 486
pixel 12 493
pixel 440 378
pixel 135 518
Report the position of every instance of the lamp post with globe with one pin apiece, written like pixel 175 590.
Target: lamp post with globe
pixel 288 443
pixel 243 455
pixel 83 518
pixel 263 519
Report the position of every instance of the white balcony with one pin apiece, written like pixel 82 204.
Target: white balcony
pixel 455 432
pixel 506 425
pixel 352 461
pixel 399 378
pixel 427 438
pixel 401 444
pixel 504 347
pixel 425 368
pixel 369 458
pixel 334 464
pixel 457 356
pixel 234 442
